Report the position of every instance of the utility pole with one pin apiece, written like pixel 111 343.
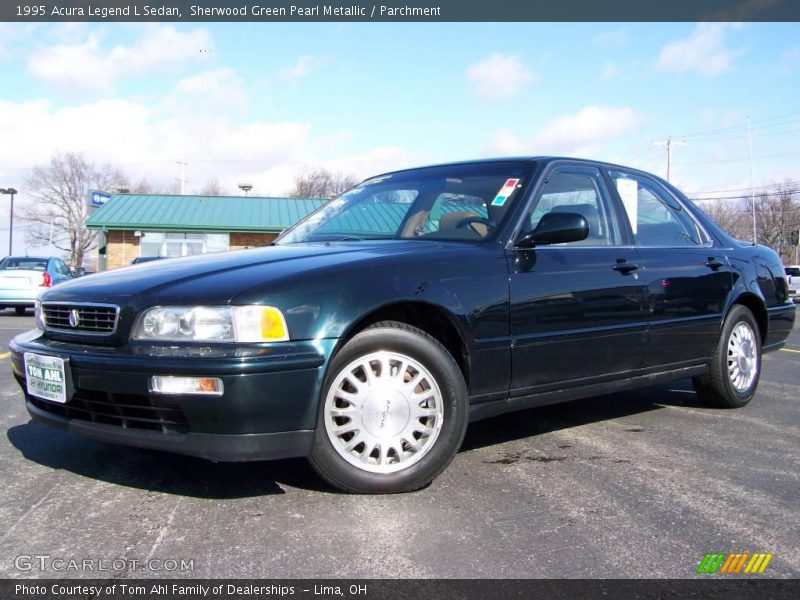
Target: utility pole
pixel 668 144
pixel 182 178
pixel 752 189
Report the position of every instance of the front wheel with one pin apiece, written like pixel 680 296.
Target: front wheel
pixel 393 412
pixel 735 366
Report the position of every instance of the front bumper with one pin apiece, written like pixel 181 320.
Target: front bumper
pixel 268 409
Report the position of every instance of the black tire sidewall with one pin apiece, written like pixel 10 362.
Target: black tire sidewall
pixel 444 370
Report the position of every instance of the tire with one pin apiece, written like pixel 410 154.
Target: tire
pixel 392 413
pixel 735 366
pixel 20 310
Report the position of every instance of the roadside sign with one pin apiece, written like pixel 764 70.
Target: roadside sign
pixel 98 199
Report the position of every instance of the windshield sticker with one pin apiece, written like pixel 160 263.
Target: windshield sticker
pixel 628 190
pixel 505 192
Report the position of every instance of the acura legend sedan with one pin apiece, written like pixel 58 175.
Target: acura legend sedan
pixel 369 334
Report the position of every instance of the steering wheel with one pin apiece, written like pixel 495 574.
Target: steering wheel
pixel 471 221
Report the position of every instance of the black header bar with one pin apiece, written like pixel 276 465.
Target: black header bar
pixel 399 11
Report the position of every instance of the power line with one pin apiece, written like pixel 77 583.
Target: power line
pixel 733 160
pixel 668 144
pixel 744 135
pixel 744 197
pixel 737 127
pixel 758 187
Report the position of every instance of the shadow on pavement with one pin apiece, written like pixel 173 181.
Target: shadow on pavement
pixel 555 417
pixel 163 472
pixel 194 477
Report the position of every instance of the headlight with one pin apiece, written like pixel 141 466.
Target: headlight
pixel 211 324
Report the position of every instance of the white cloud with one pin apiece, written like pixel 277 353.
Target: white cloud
pixel 585 133
pixel 302 67
pixel 145 141
pixel 90 67
pixel 789 60
pixel 499 77
pixel 613 37
pixel 610 71
pixel 215 90
pixel 505 142
pixel 586 129
pixel 705 51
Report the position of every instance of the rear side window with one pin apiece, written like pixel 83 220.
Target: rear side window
pixel 656 218
pixel 578 190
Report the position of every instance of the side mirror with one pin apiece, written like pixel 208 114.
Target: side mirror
pixel 556 228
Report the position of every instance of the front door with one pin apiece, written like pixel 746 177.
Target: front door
pixel 578 310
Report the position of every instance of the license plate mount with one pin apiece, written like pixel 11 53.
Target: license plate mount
pixel 47 377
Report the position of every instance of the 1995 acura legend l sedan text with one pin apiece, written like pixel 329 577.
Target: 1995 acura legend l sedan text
pixel 372 331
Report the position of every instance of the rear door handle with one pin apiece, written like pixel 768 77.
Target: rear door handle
pixel 625 267
pixel 713 263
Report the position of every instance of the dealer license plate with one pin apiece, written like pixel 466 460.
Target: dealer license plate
pixel 46 377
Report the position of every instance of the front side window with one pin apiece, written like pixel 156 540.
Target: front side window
pixel 656 218
pixel 578 190
pixel 467 202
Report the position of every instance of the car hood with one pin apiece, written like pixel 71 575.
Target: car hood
pixel 218 278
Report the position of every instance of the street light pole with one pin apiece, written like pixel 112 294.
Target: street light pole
pixel 10 191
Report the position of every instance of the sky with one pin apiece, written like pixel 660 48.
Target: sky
pixel 258 102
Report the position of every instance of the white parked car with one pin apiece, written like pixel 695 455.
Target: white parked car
pixel 23 277
pixel 793 279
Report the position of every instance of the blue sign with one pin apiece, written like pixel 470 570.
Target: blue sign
pixel 97 199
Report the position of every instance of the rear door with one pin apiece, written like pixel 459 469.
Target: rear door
pixel 578 312
pixel 689 278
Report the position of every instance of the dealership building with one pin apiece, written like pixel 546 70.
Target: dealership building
pixel 133 225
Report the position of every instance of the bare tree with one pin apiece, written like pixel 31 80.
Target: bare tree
pixel 728 215
pixel 60 193
pixel 146 186
pixel 211 187
pixel 777 211
pixel 319 182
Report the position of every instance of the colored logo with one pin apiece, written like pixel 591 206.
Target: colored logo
pixel 722 563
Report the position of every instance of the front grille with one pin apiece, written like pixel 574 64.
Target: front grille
pixel 128 411
pixel 91 319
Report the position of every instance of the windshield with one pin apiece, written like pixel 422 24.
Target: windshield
pixel 465 202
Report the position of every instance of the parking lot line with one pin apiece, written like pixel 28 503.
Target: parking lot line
pixel 790 350
pixel 5 355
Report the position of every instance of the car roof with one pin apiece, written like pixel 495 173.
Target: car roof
pixel 28 257
pixel 531 159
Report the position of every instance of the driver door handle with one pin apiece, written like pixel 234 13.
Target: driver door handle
pixel 625 267
pixel 713 263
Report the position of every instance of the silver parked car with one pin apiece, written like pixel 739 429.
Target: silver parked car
pixel 23 277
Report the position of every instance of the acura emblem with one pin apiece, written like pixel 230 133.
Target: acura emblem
pixel 74 318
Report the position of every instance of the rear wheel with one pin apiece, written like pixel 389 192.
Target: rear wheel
pixel 735 366
pixel 393 412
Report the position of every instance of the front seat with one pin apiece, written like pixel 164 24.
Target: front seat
pixel 449 220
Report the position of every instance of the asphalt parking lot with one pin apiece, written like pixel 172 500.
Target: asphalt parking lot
pixel 638 484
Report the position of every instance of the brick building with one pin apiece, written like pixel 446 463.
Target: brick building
pixel 134 225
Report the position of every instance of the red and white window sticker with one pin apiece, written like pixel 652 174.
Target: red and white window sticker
pixel 505 192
